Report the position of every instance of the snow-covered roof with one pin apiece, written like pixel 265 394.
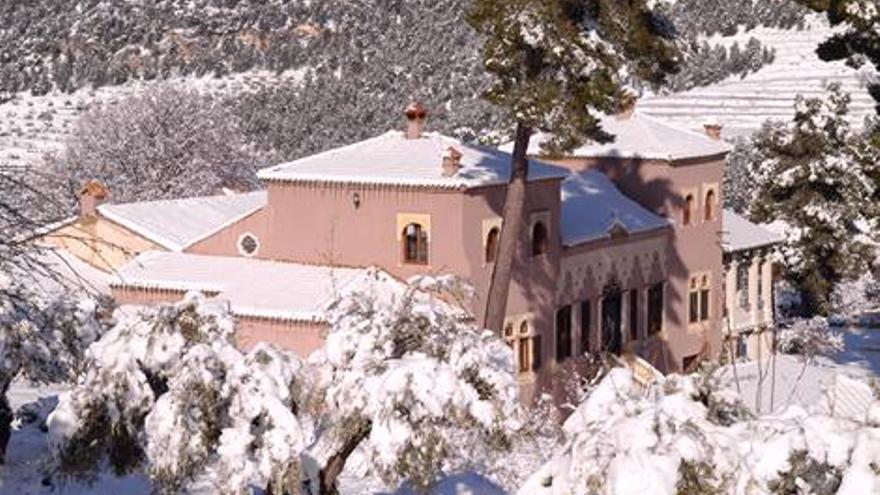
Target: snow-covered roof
pixel 252 287
pixel 644 137
pixel 740 234
pixel 394 160
pixel 592 207
pixel 179 223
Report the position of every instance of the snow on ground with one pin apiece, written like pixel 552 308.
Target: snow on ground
pixel 32 127
pixel 27 456
pixel 860 359
pixel 741 105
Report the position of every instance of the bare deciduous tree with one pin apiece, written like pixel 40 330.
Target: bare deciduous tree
pixel 165 143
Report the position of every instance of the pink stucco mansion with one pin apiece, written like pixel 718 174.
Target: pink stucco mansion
pixel 626 248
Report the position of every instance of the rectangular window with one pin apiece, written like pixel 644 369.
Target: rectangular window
pixel 536 353
pixel 586 325
pixel 694 306
pixel 563 333
pixel 699 299
pixel 760 285
pixel 655 309
pixel 704 304
pixel 634 314
pixel 742 284
pixel 525 355
pixel 741 348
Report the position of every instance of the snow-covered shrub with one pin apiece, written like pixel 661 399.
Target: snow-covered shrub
pixel 624 441
pixel 168 386
pixel 805 473
pixel 853 297
pixel 809 338
pixel 575 377
pixel 43 338
pixel 406 377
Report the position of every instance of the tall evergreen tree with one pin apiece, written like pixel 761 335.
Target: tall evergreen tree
pixel 815 179
pixel 556 63
pixel 859 40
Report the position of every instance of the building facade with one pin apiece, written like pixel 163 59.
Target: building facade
pixel 622 249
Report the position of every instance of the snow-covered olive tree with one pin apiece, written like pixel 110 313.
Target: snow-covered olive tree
pixel 43 338
pixel 688 435
pixel 47 317
pixel 404 377
pixel 165 143
pixel 167 390
pixel 407 377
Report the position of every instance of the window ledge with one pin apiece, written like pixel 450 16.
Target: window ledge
pixel 527 377
pixel 698 327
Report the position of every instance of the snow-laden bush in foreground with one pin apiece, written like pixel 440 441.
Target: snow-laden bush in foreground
pixel 43 338
pixel 687 436
pixel 405 378
pixel 409 379
pixel 169 387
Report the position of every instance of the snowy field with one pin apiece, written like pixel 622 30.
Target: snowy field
pixel 743 104
pixel 24 472
pixel 860 359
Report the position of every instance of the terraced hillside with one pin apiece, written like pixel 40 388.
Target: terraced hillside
pixel 742 105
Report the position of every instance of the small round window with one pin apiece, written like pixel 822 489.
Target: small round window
pixel 248 245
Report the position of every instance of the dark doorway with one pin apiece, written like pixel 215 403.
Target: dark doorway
pixel 612 335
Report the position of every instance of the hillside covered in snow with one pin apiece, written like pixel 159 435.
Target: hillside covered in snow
pixel 742 104
pixel 362 59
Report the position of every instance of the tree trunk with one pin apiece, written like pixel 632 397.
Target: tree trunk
pixel 6 417
pixel 511 229
pixel 331 471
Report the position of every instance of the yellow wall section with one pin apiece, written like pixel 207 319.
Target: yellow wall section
pixel 100 242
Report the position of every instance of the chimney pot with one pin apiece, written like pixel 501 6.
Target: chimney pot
pixel 91 195
pixel 713 130
pixel 416 116
pixel 451 162
pixel 627 104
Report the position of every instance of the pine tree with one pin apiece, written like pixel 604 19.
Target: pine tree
pixel 556 63
pixel 814 180
pixel 859 40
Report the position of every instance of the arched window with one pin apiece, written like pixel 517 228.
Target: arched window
pixel 415 244
pixel 709 207
pixel 492 240
pixel 687 214
pixel 539 239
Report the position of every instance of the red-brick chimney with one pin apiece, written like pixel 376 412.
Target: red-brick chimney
pixel 451 162
pixel 713 130
pixel 416 116
pixel 92 195
pixel 628 101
